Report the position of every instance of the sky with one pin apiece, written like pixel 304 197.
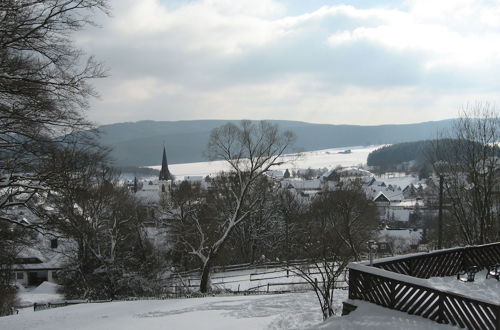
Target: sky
pixel 352 62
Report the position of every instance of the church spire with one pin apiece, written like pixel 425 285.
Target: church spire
pixel 165 173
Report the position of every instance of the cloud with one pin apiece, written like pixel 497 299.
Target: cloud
pixel 418 31
pixel 221 26
pixel 181 59
pixel 133 91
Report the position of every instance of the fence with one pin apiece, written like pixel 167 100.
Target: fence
pixel 443 262
pixel 259 280
pixel 39 307
pixel 166 296
pixel 399 283
pixel 270 277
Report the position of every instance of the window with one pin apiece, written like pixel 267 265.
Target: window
pixel 53 243
pixel 25 261
pixel 20 276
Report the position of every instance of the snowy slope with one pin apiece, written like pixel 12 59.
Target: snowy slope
pixel 327 158
pixel 44 293
pixel 373 317
pixel 291 311
pixel 287 311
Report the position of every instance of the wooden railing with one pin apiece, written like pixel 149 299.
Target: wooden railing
pixel 399 283
pixel 443 262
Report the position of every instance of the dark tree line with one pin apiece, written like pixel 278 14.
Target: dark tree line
pixel 108 254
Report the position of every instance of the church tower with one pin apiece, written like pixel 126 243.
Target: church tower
pixel 165 176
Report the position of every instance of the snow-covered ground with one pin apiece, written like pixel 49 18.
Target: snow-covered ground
pixel 327 158
pixel 373 317
pixel 273 311
pixel 44 293
pixel 481 288
pixel 286 311
pixel 398 179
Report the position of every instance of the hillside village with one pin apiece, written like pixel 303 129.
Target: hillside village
pixel 323 165
pixel 402 208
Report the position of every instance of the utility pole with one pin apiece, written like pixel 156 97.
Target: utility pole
pixel 440 216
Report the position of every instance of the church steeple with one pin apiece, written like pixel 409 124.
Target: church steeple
pixel 164 172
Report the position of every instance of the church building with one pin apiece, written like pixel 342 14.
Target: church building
pixel 165 176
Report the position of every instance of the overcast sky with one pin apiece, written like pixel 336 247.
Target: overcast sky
pixel 353 62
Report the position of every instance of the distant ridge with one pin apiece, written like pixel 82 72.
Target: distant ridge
pixel 141 143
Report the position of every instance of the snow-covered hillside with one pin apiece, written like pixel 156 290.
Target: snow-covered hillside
pixel 327 158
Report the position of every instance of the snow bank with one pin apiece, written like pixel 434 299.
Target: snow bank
pixel 481 289
pixel 44 293
pixel 46 288
pixel 373 317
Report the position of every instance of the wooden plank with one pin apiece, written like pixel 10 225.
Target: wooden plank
pixel 453 312
pixel 471 323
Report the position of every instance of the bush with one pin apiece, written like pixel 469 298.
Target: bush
pixel 112 284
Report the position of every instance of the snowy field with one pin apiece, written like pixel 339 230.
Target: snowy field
pixel 327 158
pixel 286 311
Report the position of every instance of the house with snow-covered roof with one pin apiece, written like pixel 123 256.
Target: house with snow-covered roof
pixel 40 262
pixel 348 174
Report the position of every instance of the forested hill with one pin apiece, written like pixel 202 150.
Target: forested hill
pixel 389 157
pixel 140 143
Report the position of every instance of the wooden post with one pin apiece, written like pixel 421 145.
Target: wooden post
pixel 441 318
pixel 392 295
pixel 498 318
pixel 352 284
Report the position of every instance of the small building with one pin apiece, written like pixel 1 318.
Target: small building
pixel 40 263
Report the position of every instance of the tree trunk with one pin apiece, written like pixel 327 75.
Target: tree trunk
pixel 205 276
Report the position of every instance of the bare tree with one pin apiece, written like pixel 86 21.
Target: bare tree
pixel 251 150
pixel 467 162
pixel 257 238
pixel 293 210
pixel 43 88
pixel 339 224
pixel 351 215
